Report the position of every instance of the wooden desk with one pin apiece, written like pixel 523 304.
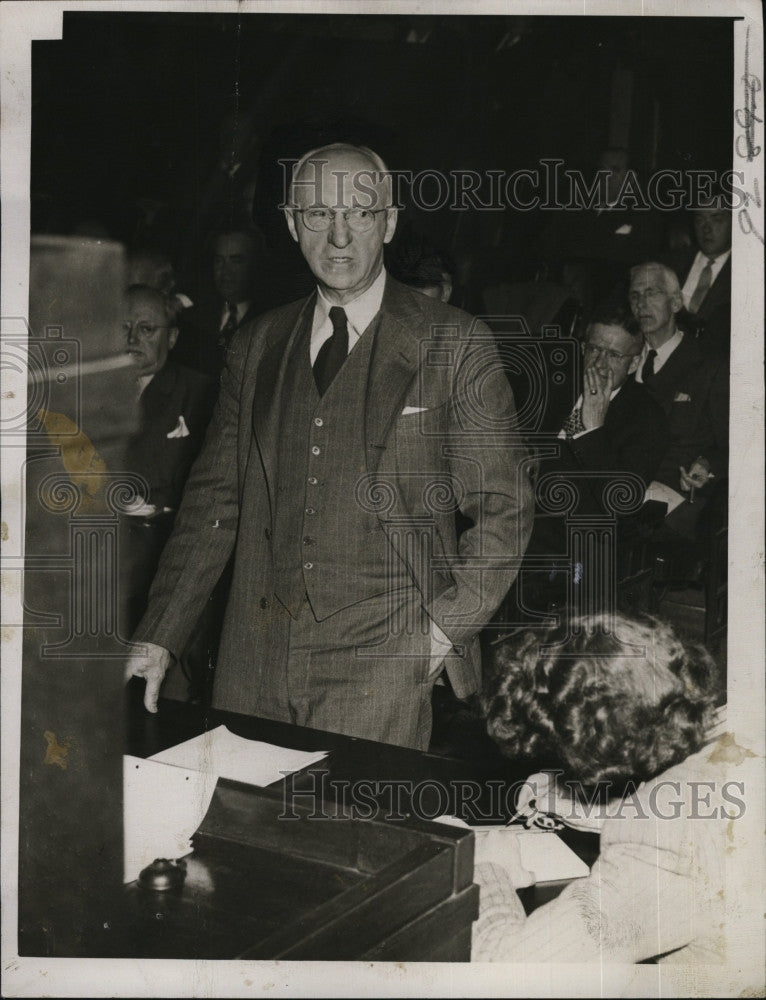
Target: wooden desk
pixel 403 790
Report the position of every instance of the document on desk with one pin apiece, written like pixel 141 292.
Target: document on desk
pixel 162 808
pixel 546 854
pixel 541 852
pixel 226 755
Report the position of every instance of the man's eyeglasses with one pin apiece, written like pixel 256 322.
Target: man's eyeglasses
pixel 142 329
pixel 358 220
pixel 594 349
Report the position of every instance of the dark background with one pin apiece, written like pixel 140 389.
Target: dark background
pixel 128 105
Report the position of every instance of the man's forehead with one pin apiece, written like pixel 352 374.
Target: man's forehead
pixel 349 177
pixel 648 276
pixel 719 215
pixel 145 302
pixel 232 243
pixel 610 332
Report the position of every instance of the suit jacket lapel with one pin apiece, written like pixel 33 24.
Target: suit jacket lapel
pixel 267 391
pixel 720 290
pixel 392 369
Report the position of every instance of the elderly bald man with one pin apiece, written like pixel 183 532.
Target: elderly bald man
pixel 349 432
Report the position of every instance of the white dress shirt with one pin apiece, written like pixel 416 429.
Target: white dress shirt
pixel 359 314
pixel 242 308
pixel 663 353
pixel 697 267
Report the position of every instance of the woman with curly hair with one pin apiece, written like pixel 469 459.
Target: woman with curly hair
pixel 628 711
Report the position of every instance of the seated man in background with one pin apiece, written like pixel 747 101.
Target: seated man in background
pixel 175 405
pixel 208 328
pixel 627 712
pixel 690 381
pixel 615 433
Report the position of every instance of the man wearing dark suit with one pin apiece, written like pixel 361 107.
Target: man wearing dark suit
pixel 615 433
pixel 705 276
pixel 691 383
pixel 175 404
pixel 350 429
pixel 207 329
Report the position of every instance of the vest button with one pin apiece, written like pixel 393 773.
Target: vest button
pixel 318 421
pixel 310 510
pixel 315 450
pixel 308 565
pixel 312 480
pixel 264 603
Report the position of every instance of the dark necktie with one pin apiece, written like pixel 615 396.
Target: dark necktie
pixel 704 283
pixel 228 328
pixel 647 372
pixel 333 352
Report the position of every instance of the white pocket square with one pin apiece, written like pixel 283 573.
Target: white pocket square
pixel 180 430
pixel 681 397
pixel 413 409
pixel 625 230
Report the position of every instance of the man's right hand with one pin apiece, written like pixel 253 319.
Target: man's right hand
pixel 150 662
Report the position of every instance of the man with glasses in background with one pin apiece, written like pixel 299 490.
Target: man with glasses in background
pixel 351 429
pixel 175 404
pixel 615 434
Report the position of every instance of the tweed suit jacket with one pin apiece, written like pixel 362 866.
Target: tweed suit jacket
pixel 440 436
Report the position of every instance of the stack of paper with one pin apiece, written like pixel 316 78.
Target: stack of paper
pixel 225 755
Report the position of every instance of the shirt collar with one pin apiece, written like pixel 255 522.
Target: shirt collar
pixel 359 311
pixel 662 355
pixel 716 263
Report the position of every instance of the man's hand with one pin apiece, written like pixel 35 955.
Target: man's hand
pixel 696 476
pixel 596 395
pixel 150 662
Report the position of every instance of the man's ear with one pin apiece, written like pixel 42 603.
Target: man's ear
pixel 677 302
pixel 172 337
pixel 392 214
pixel 633 366
pixel 290 216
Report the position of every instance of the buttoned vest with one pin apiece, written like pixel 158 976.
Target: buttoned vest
pixel 327 543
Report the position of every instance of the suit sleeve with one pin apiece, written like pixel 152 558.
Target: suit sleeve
pixel 489 465
pixel 638 446
pixel 206 525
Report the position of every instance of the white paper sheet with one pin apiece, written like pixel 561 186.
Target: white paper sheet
pixel 547 856
pixel 225 755
pixel 541 852
pixel 162 807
